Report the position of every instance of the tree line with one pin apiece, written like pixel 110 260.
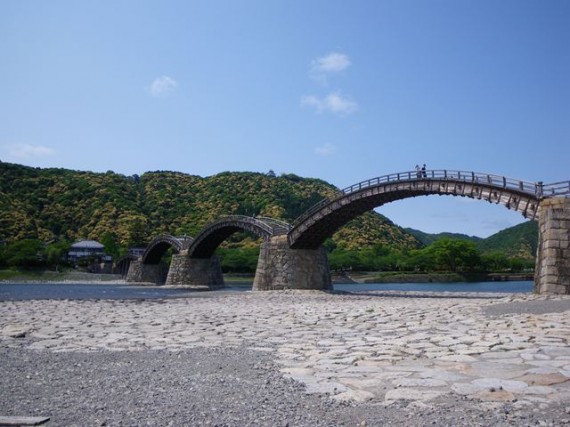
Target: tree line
pixel 443 255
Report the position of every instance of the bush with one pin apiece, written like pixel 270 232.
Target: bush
pixel 25 253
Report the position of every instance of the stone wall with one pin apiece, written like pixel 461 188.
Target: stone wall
pixel 144 273
pixel 195 273
pixel 135 271
pixel 552 272
pixel 280 267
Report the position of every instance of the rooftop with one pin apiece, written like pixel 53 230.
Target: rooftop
pixel 91 244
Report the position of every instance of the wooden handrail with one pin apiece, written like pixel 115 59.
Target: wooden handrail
pixel 534 189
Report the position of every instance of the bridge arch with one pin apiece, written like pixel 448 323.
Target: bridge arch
pixel 160 244
pixel 122 265
pixel 322 220
pixel 205 243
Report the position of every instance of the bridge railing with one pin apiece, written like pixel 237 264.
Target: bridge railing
pixel 241 218
pixel 455 175
pixel 537 189
pixel 556 189
pixel 277 222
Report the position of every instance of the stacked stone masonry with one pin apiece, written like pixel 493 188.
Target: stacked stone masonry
pixel 144 273
pixel 195 273
pixel 280 267
pixel 552 273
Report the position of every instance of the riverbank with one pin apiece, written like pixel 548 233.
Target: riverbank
pixel 397 277
pixel 48 276
pixel 303 358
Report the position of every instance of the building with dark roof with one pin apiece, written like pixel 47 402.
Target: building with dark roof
pixel 86 248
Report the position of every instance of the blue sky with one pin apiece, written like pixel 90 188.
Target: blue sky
pixel 338 90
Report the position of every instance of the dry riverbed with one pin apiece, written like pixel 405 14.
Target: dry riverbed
pixel 297 358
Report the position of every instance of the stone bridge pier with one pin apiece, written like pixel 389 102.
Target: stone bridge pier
pixel 552 272
pixel 195 273
pixel 144 273
pixel 280 267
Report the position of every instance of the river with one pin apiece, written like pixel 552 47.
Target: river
pixel 33 291
pixel 506 287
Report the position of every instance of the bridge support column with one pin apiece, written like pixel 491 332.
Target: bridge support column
pixel 195 273
pixel 552 272
pixel 134 273
pixel 144 273
pixel 280 267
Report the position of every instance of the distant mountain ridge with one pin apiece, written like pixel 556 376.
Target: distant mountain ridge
pixel 427 239
pixel 518 241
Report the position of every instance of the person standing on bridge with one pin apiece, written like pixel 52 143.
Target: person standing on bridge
pixel 418 171
pixel 424 174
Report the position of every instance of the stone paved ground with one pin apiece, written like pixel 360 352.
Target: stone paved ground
pixel 374 347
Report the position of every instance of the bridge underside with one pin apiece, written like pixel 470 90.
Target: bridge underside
pixel 205 244
pixel 206 247
pixel 312 232
pixel 160 244
pixel 157 252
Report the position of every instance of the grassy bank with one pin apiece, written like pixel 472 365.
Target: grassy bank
pixel 27 275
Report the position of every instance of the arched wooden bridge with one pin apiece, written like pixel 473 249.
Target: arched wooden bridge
pixel 215 233
pixel 160 244
pixel 311 229
pixel 322 220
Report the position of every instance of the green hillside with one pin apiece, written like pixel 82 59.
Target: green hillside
pixel 50 204
pixel 519 241
pixel 427 239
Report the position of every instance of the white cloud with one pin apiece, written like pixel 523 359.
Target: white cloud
pixel 162 86
pixel 333 103
pixel 27 151
pixel 325 150
pixel 332 63
pixel 339 105
pixel 326 65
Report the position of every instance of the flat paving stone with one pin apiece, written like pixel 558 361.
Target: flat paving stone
pixel 381 346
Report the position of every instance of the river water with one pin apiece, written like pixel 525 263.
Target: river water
pixel 506 287
pixel 30 291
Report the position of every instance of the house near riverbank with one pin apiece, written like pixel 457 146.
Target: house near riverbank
pixel 87 248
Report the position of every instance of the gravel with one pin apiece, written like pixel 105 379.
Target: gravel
pixel 530 307
pixel 213 387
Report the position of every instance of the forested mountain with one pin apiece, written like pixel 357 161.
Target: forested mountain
pixel 427 239
pixel 50 204
pixel 519 241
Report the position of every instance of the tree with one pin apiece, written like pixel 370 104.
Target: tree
pixel 110 242
pixel 420 260
pixel 454 255
pixel 54 254
pixel 344 260
pixel 238 260
pixel 24 253
pixel 495 262
pixel 3 256
pixel 137 231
